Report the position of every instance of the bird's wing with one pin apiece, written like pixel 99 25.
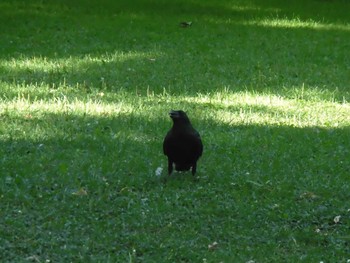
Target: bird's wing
pixel 166 143
pixel 199 143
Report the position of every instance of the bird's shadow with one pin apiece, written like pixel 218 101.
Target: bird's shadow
pixel 179 177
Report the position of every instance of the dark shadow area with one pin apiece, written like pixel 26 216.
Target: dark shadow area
pixel 114 160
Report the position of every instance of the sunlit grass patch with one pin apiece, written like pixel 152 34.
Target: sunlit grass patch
pixel 45 70
pixel 242 108
pixel 247 108
pixel 298 23
pixel 46 64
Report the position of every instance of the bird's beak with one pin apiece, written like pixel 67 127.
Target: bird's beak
pixel 173 114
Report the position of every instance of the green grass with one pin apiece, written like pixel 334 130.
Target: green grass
pixel 85 91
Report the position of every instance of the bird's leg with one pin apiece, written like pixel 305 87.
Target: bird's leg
pixel 194 169
pixel 170 166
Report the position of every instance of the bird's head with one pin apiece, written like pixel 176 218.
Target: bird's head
pixel 179 116
pixel 176 114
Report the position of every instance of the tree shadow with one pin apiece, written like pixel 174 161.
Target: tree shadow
pixel 97 166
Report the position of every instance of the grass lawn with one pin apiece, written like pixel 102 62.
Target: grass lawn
pixel 85 91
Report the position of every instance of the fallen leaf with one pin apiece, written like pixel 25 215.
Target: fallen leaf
pixel 80 192
pixel 336 219
pixel 308 196
pixel 33 258
pixel 159 171
pixel 186 24
pixel 213 245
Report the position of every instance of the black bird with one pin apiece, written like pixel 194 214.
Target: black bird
pixel 182 144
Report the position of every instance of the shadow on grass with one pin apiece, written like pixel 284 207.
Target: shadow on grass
pixel 71 178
